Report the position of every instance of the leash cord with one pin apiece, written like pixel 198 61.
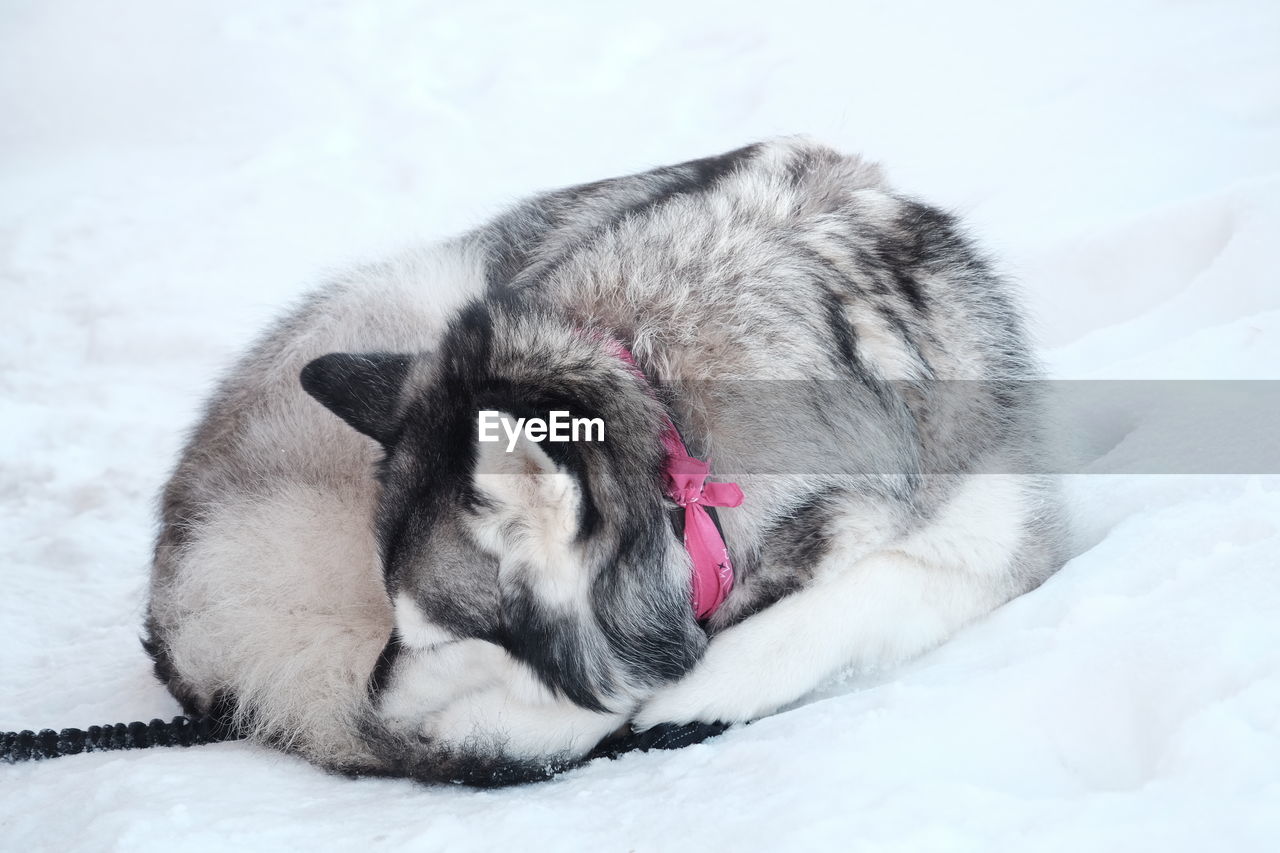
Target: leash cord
pixel 180 731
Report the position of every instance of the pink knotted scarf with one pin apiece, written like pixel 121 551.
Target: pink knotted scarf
pixel 686 484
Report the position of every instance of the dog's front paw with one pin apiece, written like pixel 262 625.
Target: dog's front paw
pixel 696 699
pixel 737 680
pixel 669 707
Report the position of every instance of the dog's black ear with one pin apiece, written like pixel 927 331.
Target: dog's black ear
pixel 361 388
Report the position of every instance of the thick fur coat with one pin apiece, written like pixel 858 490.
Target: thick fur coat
pixel 344 568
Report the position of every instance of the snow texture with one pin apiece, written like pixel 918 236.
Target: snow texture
pixel 172 174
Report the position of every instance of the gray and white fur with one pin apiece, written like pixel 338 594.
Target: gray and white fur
pixel 379 592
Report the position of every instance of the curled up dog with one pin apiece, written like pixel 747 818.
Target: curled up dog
pixel 363 580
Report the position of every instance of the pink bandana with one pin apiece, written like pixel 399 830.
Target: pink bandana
pixel 686 482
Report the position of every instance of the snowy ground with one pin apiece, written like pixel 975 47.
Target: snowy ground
pixel 169 178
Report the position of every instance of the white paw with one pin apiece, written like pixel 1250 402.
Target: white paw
pixel 473 692
pixel 554 727
pixel 703 696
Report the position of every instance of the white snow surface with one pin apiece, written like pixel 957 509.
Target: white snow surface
pixel 173 174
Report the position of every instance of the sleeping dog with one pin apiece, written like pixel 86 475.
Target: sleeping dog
pixel 818 426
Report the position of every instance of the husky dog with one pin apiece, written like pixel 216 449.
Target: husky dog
pixel 383 592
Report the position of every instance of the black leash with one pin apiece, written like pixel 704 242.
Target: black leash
pixel 194 731
pixel 181 731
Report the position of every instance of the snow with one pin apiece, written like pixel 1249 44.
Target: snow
pixel 171 175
